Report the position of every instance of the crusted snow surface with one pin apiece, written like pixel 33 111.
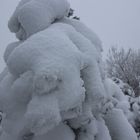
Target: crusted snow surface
pixel 32 16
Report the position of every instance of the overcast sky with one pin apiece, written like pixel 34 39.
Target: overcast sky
pixel 115 21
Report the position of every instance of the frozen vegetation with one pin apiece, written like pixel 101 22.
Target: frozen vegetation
pixel 54 86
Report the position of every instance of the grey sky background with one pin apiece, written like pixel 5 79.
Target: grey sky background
pixel 117 22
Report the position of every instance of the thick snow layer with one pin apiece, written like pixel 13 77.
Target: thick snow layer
pixel 88 132
pixel 54 75
pixel 33 16
pixel 116 97
pixel 103 132
pixel 89 43
pixel 85 31
pixel 127 90
pixel 113 90
pixel 48 58
pixel 118 126
pixel 61 132
pixel 57 65
pixel 5 86
pixel 15 95
pixel 3 73
pixel 9 49
pixel 15 90
pixel 83 119
pixel 39 64
pixel 43 114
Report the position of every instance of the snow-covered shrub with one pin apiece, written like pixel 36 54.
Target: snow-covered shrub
pixel 54 82
pixel 134 104
pixel 126 89
pixel 125 65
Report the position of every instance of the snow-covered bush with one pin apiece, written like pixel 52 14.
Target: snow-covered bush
pixel 54 86
pixel 125 65
pixel 134 104
pixel 126 89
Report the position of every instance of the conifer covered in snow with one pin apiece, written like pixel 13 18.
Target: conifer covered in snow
pixel 54 86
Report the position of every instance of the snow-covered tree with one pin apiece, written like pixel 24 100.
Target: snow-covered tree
pixel 53 86
pixel 125 65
